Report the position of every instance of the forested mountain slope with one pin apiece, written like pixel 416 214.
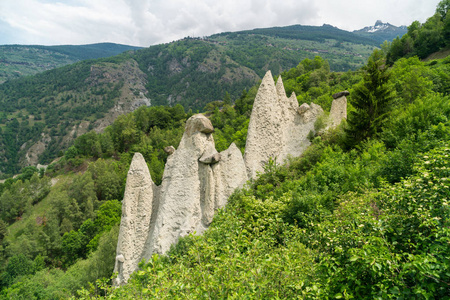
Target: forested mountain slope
pixel 338 221
pixel 356 216
pixel 42 114
pixel 23 60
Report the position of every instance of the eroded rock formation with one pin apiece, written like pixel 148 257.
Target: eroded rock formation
pixel 278 126
pixel 137 207
pixel 198 180
pixel 338 110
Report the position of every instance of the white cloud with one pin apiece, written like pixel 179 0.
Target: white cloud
pixel 146 22
pixel 356 14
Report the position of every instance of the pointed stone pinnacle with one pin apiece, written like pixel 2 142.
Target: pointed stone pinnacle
pixel 280 89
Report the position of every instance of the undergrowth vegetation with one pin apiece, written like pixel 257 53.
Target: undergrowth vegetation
pixel 336 229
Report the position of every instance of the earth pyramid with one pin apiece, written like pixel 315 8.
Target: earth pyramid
pixel 198 180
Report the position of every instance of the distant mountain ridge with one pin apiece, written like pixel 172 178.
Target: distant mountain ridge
pixel 23 60
pixel 306 32
pixel 381 32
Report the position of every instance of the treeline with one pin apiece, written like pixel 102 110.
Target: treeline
pixel 313 33
pixel 423 39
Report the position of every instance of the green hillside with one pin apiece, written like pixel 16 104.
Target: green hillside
pixel 362 221
pixel 423 39
pixel 344 220
pixel 42 114
pixel 23 60
pixel 362 214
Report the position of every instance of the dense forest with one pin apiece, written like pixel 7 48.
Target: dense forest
pixel 24 60
pixel 363 213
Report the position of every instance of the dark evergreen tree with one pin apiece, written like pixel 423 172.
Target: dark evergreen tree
pixel 371 99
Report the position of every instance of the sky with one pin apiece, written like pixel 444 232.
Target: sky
pixel 149 22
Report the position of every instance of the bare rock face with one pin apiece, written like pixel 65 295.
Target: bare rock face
pixel 230 174
pixel 184 198
pixel 197 180
pixel 198 123
pixel 338 110
pixel 135 222
pixel 278 126
pixel 190 185
pixel 265 130
pixel 210 158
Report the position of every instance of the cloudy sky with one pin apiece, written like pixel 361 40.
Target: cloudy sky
pixel 148 22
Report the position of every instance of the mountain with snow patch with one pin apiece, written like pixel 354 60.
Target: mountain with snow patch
pixel 381 32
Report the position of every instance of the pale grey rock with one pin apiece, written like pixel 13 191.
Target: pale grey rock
pixel 230 174
pixel 311 115
pixel 191 190
pixel 198 123
pixel 198 180
pixel 210 159
pixel 138 102
pixel 135 222
pixel 120 258
pixel 338 112
pixel 169 149
pixel 265 130
pixel 33 153
pixel 280 89
pixel 303 108
pixel 39 166
pixel 278 127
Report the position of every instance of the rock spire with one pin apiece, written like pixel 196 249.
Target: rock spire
pixel 198 180
pixel 278 126
pixel 136 216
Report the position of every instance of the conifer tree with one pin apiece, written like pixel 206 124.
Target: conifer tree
pixel 371 100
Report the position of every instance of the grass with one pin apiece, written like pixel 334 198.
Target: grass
pixel 439 55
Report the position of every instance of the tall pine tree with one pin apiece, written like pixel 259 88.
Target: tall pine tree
pixel 371 100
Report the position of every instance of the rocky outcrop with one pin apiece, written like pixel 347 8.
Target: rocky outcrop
pixel 137 207
pixel 230 174
pixel 198 180
pixel 278 126
pixel 338 110
pixel 169 150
